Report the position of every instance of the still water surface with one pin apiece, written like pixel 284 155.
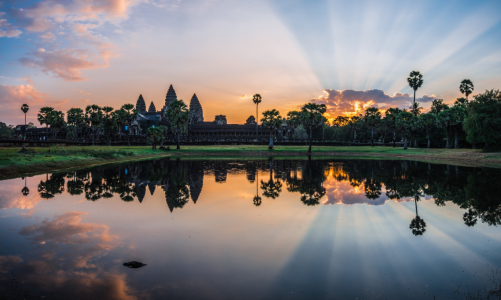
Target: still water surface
pixel 267 229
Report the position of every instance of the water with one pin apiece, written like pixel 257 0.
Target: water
pixel 228 229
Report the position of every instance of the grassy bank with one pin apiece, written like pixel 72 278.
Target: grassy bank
pixel 13 163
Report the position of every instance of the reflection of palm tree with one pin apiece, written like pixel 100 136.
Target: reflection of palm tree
pixel 311 188
pixel 257 200
pixel 50 187
pixel 271 189
pixel 177 193
pixel 418 225
pixel 74 186
pixel 470 217
pixel 25 190
pixel 372 189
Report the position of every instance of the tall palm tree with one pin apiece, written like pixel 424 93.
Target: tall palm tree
pixel 466 87
pixel 256 99
pixel 25 109
pixel 415 81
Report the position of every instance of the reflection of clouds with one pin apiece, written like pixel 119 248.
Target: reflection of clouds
pixel 11 196
pixel 64 260
pixel 341 192
pixel 21 202
pixel 67 229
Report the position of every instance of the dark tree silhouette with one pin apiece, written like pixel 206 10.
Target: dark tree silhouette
pixel 418 225
pixel 415 81
pixel 25 189
pixel 466 87
pixel 257 99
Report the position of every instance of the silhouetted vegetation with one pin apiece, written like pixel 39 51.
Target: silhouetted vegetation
pixel 476 190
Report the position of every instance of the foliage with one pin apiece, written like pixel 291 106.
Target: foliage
pixel 438 105
pixel 294 119
pixel 403 124
pixel 312 117
pixel 256 99
pixel 271 120
pixel 43 116
pixel 110 126
pixel 76 118
pixel 154 136
pixel 372 118
pixel 483 121
pixel 178 116
pixel 93 117
pixel 415 81
pixel 466 87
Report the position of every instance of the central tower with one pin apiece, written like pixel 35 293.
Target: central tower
pixel 171 95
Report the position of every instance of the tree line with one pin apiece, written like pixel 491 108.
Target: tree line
pixel 468 123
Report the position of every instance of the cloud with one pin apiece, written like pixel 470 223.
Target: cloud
pixel 76 22
pixel 19 94
pixel 65 63
pixel 13 96
pixel 82 92
pixel 48 37
pixel 6 29
pixel 351 102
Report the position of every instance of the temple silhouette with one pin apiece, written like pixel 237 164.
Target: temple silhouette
pixel 199 129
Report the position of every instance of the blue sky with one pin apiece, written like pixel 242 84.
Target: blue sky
pixel 78 52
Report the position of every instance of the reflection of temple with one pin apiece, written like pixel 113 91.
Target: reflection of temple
pixel 196 179
pixel 342 182
pixel 200 130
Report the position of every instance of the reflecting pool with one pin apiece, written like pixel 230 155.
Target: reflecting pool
pixel 253 229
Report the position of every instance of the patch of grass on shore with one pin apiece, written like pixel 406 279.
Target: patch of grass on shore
pixel 40 159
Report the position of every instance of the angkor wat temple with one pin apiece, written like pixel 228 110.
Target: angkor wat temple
pixel 199 129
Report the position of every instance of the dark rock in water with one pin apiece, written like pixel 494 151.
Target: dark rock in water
pixel 134 264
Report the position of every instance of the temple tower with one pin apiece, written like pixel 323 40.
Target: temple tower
pixel 152 108
pixel 141 105
pixel 171 95
pixel 196 111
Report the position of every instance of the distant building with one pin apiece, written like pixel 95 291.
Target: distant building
pixel 219 129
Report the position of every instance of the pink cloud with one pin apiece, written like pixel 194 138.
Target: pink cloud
pixel 66 63
pixel 13 96
pixel 48 37
pixel 6 29
pixel 342 102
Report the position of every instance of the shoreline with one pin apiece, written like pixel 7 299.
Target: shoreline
pixel 14 164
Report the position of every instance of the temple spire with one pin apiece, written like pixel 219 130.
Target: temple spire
pixel 140 105
pixel 152 108
pixel 171 95
pixel 196 111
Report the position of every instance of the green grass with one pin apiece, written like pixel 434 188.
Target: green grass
pixel 13 163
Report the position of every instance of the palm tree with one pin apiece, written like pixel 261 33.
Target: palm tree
pixel 256 99
pixel 372 118
pixel 25 109
pixel 272 120
pixel 415 81
pixel 178 116
pixel 466 87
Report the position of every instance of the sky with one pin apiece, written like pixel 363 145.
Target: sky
pixel 345 54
